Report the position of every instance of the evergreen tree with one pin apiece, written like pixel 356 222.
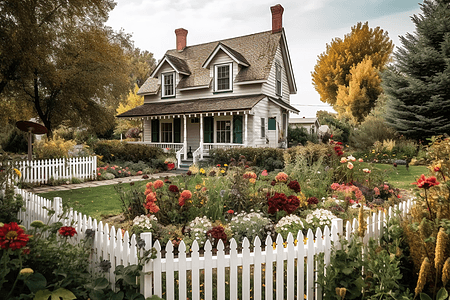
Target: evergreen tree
pixel 418 84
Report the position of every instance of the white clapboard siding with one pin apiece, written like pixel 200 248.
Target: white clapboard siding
pixel 41 171
pixel 275 271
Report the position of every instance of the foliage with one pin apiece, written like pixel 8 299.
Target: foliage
pixel 50 148
pixel 10 203
pixel 117 150
pixel 265 158
pixel 133 100
pixel 250 225
pixel 346 74
pixel 371 130
pixel 63 60
pixel 300 135
pixel 416 84
pixel 339 125
pixel 310 153
pixel 142 64
pixel 15 141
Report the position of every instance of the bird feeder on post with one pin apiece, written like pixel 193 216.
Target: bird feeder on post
pixel 31 128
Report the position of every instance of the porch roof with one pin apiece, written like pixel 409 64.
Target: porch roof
pixel 209 105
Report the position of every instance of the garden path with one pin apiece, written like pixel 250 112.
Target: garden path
pixel 65 187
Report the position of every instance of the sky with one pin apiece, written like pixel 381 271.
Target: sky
pixel 309 25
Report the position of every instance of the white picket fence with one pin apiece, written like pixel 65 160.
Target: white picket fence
pixel 279 270
pixel 41 171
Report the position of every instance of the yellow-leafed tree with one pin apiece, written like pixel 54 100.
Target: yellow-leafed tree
pixel 133 100
pixel 346 75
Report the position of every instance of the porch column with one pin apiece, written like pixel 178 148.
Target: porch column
pixel 201 136
pixel 245 128
pixel 185 138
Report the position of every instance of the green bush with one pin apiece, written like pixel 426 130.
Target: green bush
pixel 371 130
pixel 113 150
pixel 53 148
pixel 300 135
pixel 266 158
pixel 16 141
pixel 311 153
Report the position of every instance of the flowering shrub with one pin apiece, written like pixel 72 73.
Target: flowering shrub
pixel 279 202
pixel 250 225
pixel 196 231
pixel 319 218
pixel 144 223
pixel 52 148
pixel 290 223
pixel 216 234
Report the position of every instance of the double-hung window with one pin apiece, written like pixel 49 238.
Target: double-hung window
pixel 168 84
pixel 166 132
pixel 223 77
pixel 278 86
pixel 223 132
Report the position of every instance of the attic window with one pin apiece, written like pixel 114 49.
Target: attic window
pixel 168 87
pixel 222 76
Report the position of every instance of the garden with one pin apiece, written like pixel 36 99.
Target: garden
pixel 244 193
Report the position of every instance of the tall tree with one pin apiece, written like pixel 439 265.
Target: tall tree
pixel 60 57
pixel 130 102
pixel 346 75
pixel 418 84
pixel 142 64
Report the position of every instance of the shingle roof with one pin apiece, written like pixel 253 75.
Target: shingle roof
pixel 179 64
pixel 235 103
pixel 258 50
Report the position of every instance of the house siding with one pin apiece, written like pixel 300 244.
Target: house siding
pixel 268 88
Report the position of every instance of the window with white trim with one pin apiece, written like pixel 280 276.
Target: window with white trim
pixel 223 77
pixel 278 86
pixel 166 132
pixel 223 131
pixel 168 84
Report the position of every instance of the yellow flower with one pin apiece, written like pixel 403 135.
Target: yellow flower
pixel 424 268
pixel 202 171
pixel 26 271
pixel 252 180
pixel 222 171
pixel 225 165
pixel 18 172
pixel 198 186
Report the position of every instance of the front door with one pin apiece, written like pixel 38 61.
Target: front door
pixel 237 130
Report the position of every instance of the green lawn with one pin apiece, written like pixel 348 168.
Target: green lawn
pixel 104 200
pixel 94 201
pixel 401 178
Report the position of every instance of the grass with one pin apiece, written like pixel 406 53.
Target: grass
pixel 93 201
pixel 401 178
pixel 104 201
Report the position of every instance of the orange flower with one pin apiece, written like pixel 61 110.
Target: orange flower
pixel 186 194
pixel 281 176
pixel 158 184
pixel 350 165
pixel 149 185
pixel 151 197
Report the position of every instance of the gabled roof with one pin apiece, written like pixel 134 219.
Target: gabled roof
pixel 303 121
pixel 255 52
pixel 235 55
pixel 209 105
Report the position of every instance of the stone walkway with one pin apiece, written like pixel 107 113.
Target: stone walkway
pixel 66 187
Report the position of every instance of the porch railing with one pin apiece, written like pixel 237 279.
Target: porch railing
pixel 197 155
pixel 179 154
pixel 174 146
pixel 209 146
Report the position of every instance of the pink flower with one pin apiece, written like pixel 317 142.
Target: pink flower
pixel 264 173
pixel 377 191
pixel 281 176
pixel 120 171
pixel 230 211
pixel 99 174
pixel 343 160
pixel 335 186
pixel 350 165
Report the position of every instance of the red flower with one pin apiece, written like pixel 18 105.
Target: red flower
pixel 173 188
pixel 12 236
pixel 217 233
pixel 170 166
pixel 67 231
pixel 230 211
pixel 152 207
pixel 264 173
pixel 291 204
pixel 312 200
pixel 425 183
pixel 158 183
pixel 295 186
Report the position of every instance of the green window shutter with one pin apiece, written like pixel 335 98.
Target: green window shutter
pixel 155 131
pixel 272 124
pixel 237 130
pixel 177 130
pixel 208 129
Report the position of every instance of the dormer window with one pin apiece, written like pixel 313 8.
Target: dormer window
pixel 278 88
pixel 223 78
pixel 168 85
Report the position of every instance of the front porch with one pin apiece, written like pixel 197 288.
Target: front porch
pixel 192 136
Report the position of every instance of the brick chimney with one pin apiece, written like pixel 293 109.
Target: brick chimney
pixel 181 38
pixel 277 18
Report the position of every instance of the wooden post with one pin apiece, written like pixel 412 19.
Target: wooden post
pixel 185 137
